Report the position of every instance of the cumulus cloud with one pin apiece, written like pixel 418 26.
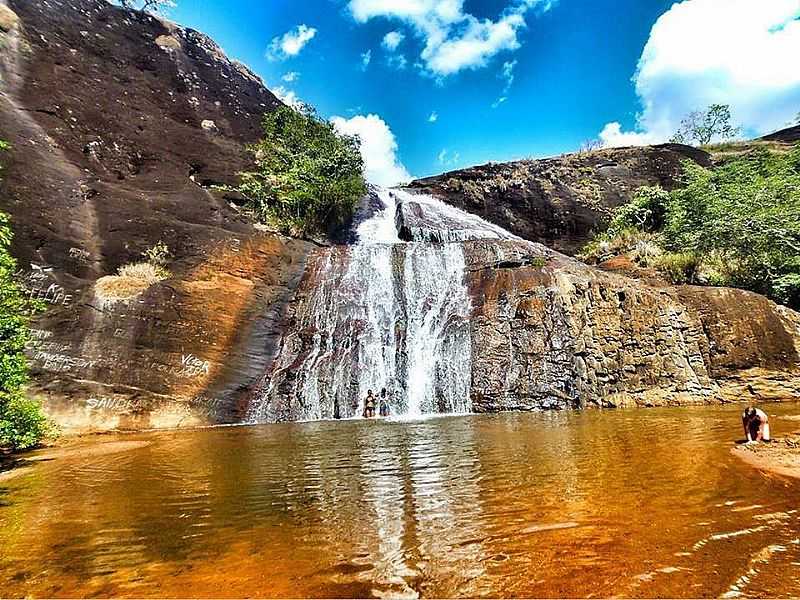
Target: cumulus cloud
pixel 290 77
pixel 287 96
pixel 290 43
pixel 392 40
pixel 702 52
pixel 612 136
pixel 378 146
pixel 453 39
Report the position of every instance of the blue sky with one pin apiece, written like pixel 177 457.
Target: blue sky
pixel 462 82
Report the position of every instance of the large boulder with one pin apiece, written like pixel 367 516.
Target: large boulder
pixel 560 202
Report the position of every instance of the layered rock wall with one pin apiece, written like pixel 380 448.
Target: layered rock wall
pixel 565 335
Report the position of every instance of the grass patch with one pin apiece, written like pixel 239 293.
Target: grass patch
pixel 133 279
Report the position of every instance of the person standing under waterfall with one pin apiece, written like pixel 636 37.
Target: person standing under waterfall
pixel 369 405
pixel 384 407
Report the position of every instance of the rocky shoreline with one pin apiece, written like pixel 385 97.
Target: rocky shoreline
pixel 779 457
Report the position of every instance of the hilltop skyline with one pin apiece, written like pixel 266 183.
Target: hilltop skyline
pixel 436 85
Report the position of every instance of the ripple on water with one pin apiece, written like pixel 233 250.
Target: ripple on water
pixel 568 504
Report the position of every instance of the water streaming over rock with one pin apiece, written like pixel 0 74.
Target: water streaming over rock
pixel 383 313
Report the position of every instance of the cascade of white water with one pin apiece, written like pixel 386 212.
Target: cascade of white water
pixel 383 313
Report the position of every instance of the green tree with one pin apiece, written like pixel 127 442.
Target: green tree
pixel 308 177
pixel 22 423
pixel 745 212
pixel 737 224
pixel 702 127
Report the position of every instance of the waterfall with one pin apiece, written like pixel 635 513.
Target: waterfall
pixel 382 313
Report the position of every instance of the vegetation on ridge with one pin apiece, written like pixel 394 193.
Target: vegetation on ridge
pixel 701 127
pixel 308 176
pixel 151 6
pixel 735 225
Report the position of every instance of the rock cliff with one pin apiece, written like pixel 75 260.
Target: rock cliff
pixel 119 125
pixel 566 335
pixel 560 202
pixel 545 331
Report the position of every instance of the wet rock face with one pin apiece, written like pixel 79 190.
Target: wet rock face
pixel 428 219
pixel 559 202
pixel 105 111
pixel 568 336
pixel 546 332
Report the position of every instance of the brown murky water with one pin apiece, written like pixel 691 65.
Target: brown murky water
pixel 628 503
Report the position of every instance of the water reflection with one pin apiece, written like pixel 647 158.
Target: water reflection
pixel 640 503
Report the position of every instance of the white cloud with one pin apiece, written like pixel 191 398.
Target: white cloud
pixel 434 116
pixel 702 52
pixel 612 136
pixel 287 96
pixel 366 58
pixel 507 74
pixel 447 158
pixel 453 40
pixel 290 77
pixel 392 40
pixel 290 43
pixel 397 61
pixel 378 146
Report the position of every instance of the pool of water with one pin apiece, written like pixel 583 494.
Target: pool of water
pixel 627 503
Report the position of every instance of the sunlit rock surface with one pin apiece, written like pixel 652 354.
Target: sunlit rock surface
pixel 451 313
pixel 567 335
pixel 545 331
pixel 104 111
pixel 560 201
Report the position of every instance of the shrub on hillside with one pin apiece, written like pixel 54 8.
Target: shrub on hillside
pixel 158 254
pixel 747 213
pixel 646 212
pixel 134 278
pixel 22 422
pixel 308 177
pixel 151 6
pixel 640 244
pixel 737 224
pixel 679 267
